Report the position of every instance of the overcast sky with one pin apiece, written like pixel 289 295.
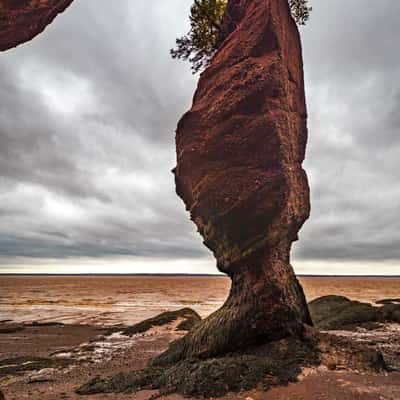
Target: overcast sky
pixel 88 111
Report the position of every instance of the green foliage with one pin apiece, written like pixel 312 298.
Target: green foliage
pixel 189 319
pixel 201 42
pixel 204 37
pixel 300 11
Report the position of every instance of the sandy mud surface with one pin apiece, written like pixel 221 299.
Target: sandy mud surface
pixel 48 362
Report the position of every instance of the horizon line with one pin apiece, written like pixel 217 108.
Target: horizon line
pixel 190 274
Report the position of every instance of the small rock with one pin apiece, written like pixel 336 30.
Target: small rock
pixel 44 375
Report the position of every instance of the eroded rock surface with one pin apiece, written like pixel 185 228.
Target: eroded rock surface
pixel 22 20
pixel 240 147
pixel 273 364
pixel 239 171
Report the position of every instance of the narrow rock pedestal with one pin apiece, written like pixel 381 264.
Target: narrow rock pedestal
pixel 239 155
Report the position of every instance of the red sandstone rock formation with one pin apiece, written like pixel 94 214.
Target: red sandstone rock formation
pixel 239 155
pixel 21 20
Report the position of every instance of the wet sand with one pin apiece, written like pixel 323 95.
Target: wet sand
pixel 71 354
pixel 90 354
pixel 94 354
pixel 105 300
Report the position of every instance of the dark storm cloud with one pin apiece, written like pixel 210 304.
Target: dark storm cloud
pixel 87 118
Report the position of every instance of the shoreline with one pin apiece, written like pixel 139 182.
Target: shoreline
pixel 188 275
pixel 62 357
pixel 113 299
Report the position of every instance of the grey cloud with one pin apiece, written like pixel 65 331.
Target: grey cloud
pixel 353 154
pixel 97 172
pixel 87 118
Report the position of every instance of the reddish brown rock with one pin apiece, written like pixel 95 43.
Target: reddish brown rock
pixel 22 20
pixel 239 155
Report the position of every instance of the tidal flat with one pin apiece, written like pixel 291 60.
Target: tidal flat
pixel 108 300
pixel 59 332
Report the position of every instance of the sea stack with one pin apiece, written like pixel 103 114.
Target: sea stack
pixel 239 172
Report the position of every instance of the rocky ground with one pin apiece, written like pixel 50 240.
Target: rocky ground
pixel 50 361
pixel 47 362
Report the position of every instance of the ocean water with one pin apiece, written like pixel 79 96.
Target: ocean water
pixel 107 300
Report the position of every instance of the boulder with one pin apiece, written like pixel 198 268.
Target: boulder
pixel 340 313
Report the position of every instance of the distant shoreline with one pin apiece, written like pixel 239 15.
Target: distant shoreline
pixel 187 275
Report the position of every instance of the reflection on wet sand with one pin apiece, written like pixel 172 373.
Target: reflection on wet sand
pixel 109 300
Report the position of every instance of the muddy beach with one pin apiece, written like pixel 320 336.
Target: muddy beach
pixel 48 361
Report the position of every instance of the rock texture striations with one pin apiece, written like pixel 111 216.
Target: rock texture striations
pixel 239 171
pixel 22 20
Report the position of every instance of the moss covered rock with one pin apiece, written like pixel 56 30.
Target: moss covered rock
pixel 264 366
pixel 391 312
pixel 188 323
pixel 276 363
pixel 20 365
pixel 340 313
pixel 189 319
pixel 389 301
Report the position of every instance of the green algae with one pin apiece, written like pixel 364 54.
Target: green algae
pixel 20 365
pixel 263 365
pixel 187 324
pixel 189 316
pixel 389 301
pixel 340 313
pixel 267 365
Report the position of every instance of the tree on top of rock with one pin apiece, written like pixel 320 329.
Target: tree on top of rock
pixel 204 37
pixel 300 11
pixel 201 42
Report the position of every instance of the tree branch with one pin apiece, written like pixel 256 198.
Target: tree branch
pixel 215 24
